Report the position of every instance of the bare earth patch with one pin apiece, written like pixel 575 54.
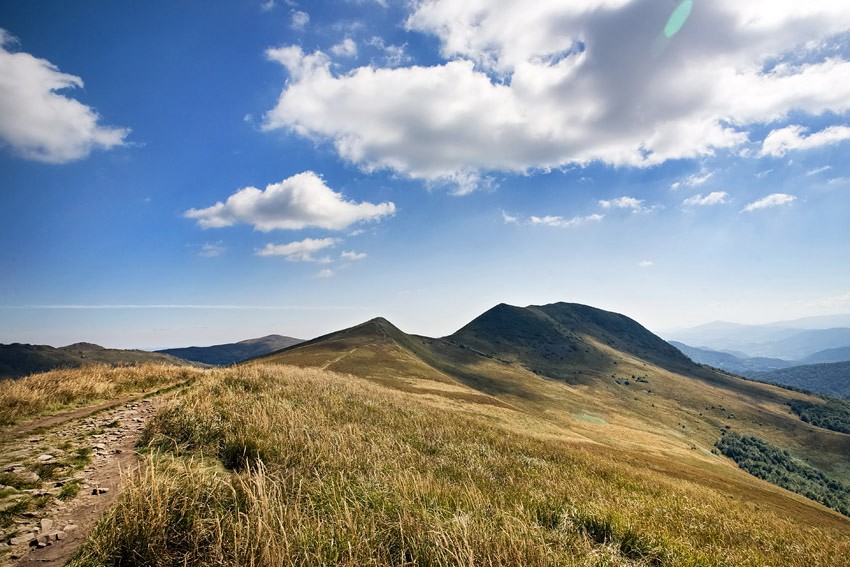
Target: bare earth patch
pixel 60 473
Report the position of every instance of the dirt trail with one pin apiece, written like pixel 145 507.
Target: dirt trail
pixel 47 422
pixel 103 440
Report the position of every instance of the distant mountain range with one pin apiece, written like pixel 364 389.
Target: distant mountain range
pixel 841 354
pixel 743 365
pixel 791 353
pixel 231 353
pixel 22 359
pixel 789 340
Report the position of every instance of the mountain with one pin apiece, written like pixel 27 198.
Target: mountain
pixel 599 375
pixel 770 341
pixel 544 338
pixel 805 343
pixel 723 336
pixel 816 322
pixel 831 378
pixel 231 353
pixel 742 365
pixel 23 359
pixel 841 354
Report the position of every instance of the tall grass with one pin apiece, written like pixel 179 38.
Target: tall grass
pixel 268 465
pixel 52 391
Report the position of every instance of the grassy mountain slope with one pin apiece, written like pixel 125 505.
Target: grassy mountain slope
pixel 23 359
pixel 599 382
pixel 765 340
pixel 830 378
pixel 271 465
pixel 231 353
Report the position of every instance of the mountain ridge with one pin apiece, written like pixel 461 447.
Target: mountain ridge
pixel 21 359
pixel 232 353
pixel 600 375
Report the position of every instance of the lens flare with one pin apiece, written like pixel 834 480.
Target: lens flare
pixel 678 18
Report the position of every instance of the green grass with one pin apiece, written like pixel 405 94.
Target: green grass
pixel 79 459
pixel 16 481
pixel 268 465
pixel 70 489
pixel 9 513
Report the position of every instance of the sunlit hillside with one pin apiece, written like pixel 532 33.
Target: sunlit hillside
pixel 275 465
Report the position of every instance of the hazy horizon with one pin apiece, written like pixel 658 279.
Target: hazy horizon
pixel 196 174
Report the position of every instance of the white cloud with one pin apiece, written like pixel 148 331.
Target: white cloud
pixel 326 273
pixel 39 123
pixel 819 170
pixel 391 55
pixel 301 251
pixel 646 264
pixel 623 203
pixel 212 250
pixel 300 201
pixel 763 174
pixel 693 180
pixel 345 48
pixel 781 141
pixel 352 256
pixel 772 200
pixel 299 20
pixel 267 6
pixel 561 222
pixel 509 219
pixel 713 198
pixel 589 84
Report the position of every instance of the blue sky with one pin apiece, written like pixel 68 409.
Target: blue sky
pixel 197 172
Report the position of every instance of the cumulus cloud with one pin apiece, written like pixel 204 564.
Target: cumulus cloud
pixel 300 201
pixel 299 20
pixel 561 222
pixel 326 273
pixel 713 198
pixel 693 180
pixel 509 219
pixel 345 48
pixel 212 250
pixel 623 203
pixel 646 264
pixel 38 121
pixel 590 84
pixel 780 142
pixel 352 256
pixel 772 200
pixel 301 251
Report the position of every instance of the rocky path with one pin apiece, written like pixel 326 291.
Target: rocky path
pixel 57 478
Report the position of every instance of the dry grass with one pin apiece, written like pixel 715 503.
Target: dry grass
pixel 54 391
pixel 271 465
